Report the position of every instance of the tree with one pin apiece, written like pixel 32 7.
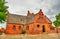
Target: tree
pixel 3 11
pixel 57 21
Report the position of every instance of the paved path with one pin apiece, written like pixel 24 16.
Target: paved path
pixel 41 36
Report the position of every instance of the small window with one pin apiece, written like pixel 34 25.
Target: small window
pixel 27 27
pixel 14 27
pixel 19 27
pixel 52 28
pixel 38 25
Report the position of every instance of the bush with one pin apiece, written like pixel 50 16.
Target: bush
pixel 23 31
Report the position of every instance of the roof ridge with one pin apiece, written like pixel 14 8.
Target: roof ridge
pixel 16 14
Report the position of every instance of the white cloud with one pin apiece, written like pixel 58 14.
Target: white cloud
pixel 3 25
pixel 20 7
pixel 24 5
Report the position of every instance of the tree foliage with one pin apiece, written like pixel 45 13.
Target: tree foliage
pixel 57 21
pixel 3 11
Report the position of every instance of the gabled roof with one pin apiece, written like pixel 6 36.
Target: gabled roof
pixel 19 19
pixel 48 20
pixel 42 18
pixel 13 18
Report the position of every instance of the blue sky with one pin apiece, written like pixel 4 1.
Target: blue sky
pixel 20 7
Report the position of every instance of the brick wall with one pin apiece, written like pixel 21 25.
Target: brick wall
pixel 16 30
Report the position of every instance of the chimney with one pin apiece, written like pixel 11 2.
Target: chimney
pixel 28 14
pixel 32 13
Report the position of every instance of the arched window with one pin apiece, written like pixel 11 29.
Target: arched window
pixel 19 28
pixel 27 27
pixel 38 25
pixel 14 27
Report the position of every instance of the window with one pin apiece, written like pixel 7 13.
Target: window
pixel 19 27
pixel 27 27
pixel 14 27
pixel 52 28
pixel 38 25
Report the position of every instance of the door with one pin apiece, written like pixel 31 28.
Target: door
pixel 43 28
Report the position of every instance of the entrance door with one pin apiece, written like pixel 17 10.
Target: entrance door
pixel 43 28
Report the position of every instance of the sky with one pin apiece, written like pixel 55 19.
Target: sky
pixel 20 7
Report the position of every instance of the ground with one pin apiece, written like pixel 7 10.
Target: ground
pixel 25 36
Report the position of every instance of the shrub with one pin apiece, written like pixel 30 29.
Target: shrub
pixel 23 31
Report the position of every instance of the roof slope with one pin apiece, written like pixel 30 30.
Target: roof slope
pixel 12 18
pixel 41 18
pixel 19 19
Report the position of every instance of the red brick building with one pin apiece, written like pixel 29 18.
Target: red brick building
pixel 32 23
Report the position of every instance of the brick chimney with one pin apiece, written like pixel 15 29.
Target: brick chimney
pixel 28 14
pixel 32 13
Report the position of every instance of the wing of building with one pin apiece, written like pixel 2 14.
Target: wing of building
pixel 32 23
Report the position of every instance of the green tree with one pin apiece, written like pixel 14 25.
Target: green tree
pixel 57 21
pixel 3 11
